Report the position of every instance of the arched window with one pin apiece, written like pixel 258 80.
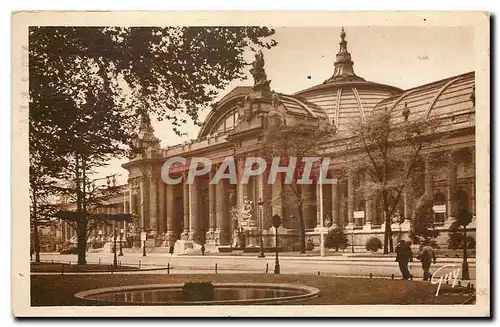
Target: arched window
pixel 226 122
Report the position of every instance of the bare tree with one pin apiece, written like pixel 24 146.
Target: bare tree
pixel 299 141
pixel 390 153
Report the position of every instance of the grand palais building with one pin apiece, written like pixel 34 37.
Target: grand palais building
pixel 188 215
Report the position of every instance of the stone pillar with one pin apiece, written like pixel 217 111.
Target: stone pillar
pixel 335 205
pixel 276 196
pixel 240 188
pixel 369 206
pixel 222 213
pixel 185 198
pixel 153 204
pixel 407 199
pixel 429 178
pixel 142 204
pixel 267 210
pixel 473 188
pixel 194 217
pixel 161 207
pixel 171 231
pixel 318 206
pixel 452 187
pixel 350 198
pixel 212 223
pixel 309 205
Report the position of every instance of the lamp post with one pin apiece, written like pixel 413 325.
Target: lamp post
pixel 352 240
pixel 121 240
pixel 464 217
pixel 143 239
pixel 276 224
pixel 261 253
pixel 322 223
pixel 115 261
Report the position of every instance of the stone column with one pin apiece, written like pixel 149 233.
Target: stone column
pixel 407 199
pixel 309 205
pixel 185 198
pixel 429 178
pixel 240 188
pixel 369 206
pixel 335 205
pixel 171 231
pixel 276 196
pixel 452 187
pixel 212 223
pixel 161 207
pixel 473 189
pixel 194 218
pixel 222 213
pixel 350 198
pixel 142 204
pixel 153 204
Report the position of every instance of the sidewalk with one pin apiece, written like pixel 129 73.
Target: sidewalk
pixel 362 257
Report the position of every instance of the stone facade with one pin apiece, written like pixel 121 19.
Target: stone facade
pixel 189 215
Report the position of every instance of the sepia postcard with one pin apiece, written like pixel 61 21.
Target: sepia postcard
pixel 251 164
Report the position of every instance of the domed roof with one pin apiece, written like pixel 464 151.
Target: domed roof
pixel 346 96
pixel 228 106
pixel 450 96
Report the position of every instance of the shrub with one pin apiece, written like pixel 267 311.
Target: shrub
pixel 67 244
pixel 96 244
pixel 456 238
pixel 373 244
pixel 336 239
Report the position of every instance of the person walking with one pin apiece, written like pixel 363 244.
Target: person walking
pixel 426 256
pixel 404 255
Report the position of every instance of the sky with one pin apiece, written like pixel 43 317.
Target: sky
pixel 404 57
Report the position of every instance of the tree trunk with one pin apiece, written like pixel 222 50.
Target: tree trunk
pixel 302 228
pixel 82 240
pixel 387 236
pixel 36 240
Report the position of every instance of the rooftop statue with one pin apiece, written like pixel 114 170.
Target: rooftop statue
pixel 261 83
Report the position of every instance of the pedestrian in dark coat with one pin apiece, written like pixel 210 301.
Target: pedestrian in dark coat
pixel 403 257
pixel 426 256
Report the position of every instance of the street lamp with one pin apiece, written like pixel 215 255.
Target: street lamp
pixel 115 261
pixel 352 240
pixel 261 221
pixel 143 239
pixel 121 240
pixel 464 218
pixel 276 224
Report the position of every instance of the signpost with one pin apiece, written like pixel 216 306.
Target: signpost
pixel 440 208
pixel 359 214
pixel 276 224
pixel 143 240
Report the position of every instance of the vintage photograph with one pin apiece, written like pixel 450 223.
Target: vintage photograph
pixel 258 165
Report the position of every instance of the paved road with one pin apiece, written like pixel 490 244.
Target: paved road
pixel 234 264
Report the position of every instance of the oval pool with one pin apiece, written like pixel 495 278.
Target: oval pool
pixel 223 293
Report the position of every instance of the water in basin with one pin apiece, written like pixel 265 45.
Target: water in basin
pixel 177 295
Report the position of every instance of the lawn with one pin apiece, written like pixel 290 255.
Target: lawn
pixel 59 290
pixel 64 267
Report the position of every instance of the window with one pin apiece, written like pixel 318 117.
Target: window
pixel 227 122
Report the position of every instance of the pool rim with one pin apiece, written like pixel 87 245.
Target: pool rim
pixel 310 293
